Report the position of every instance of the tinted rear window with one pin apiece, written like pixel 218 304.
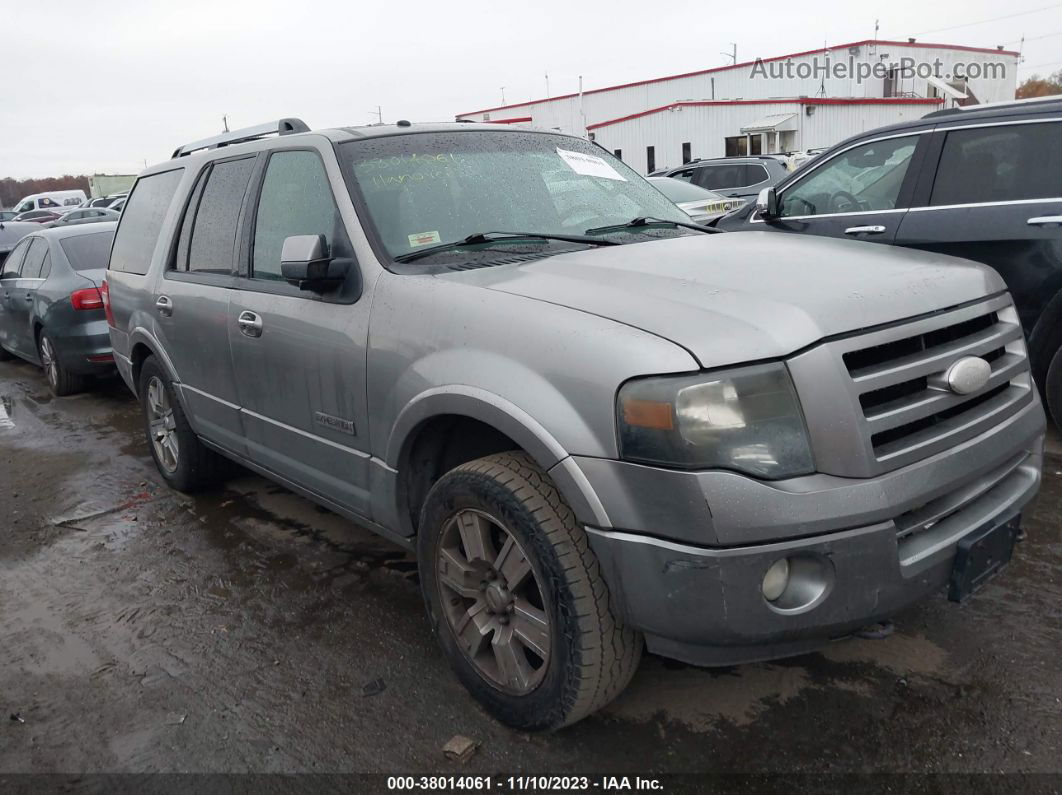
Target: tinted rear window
pixel 997 164
pixel 138 231
pixel 214 233
pixel 88 252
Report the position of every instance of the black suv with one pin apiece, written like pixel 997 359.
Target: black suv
pixel 741 177
pixel 982 182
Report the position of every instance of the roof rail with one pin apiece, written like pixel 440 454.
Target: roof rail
pixel 279 127
pixel 1007 103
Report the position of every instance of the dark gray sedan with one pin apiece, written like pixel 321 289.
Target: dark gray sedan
pixel 51 309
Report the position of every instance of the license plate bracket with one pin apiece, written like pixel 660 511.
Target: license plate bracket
pixel 980 556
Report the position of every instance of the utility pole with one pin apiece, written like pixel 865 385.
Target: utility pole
pixel 225 122
pixel 547 85
pixel 378 113
pixel 582 112
pixel 732 55
pixel 503 94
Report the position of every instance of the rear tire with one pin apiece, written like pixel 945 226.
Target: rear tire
pixel 61 381
pixel 5 356
pixel 184 461
pixel 1053 388
pixel 526 620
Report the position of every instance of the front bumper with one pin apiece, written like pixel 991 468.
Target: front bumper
pixel 879 545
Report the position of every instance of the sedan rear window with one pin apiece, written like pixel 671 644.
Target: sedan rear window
pixel 88 252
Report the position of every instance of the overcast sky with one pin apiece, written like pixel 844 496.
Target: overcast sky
pixel 106 86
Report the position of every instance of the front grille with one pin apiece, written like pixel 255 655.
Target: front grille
pixel 905 403
pixel 878 400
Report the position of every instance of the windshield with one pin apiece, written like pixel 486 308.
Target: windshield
pixel 430 188
pixel 679 191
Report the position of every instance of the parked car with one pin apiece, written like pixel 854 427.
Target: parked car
pixel 599 425
pixel 38 216
pixel 106 201
pixel 51 200
pixel 91 215
pixel 734 177
pixel 982 182
pixel 700 204
pixel 118 205
pixel 7 215
pixel 10 233
pixel 51 311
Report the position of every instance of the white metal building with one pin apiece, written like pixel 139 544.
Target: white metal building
pixel 785 103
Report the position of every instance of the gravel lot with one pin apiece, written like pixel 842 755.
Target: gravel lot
pixel 249 630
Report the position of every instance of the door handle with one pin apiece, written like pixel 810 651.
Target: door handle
pixel 864 230
pixel 250 324
pixel 164 305
pixel 1046 220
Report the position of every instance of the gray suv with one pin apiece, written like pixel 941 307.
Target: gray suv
pixel 600 427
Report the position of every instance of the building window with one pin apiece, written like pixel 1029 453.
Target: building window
pixel 650 159
pixel 755 144
pixel 687 153
pixel 619 154
pixel 737 146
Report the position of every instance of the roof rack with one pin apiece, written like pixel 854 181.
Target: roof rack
pixel 279 127
pixel 993 105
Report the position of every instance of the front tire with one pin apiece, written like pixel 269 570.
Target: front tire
pixel 183 460
pixel 61 381
pixel 516 597
pixel 1053 388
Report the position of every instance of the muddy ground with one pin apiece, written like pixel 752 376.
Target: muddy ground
pixel 249 630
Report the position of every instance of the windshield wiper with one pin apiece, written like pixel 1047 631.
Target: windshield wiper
pixel 635 223
pixel 490 237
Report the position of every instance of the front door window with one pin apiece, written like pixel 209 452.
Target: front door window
pixel 866 178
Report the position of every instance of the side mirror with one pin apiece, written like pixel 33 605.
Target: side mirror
pixel 304 263
pixel 767 204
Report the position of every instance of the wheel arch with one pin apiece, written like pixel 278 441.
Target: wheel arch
pixel 1046 335
pixel 142 344
pixel 449 426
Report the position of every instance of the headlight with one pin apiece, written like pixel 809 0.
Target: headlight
pixel 747 419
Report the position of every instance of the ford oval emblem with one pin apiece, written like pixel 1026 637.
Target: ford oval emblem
pixel 968 374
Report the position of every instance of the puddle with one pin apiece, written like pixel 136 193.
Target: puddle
pixel 5 413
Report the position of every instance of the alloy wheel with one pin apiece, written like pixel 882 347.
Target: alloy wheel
pixel 162 425
pixel 50 362
pixel 492 601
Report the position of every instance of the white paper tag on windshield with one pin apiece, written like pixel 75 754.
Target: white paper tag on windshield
pixel 590 165
pixel 423 239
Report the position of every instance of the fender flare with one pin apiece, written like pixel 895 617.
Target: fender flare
pixel 477 404
pixel 508 418
pixel 141 336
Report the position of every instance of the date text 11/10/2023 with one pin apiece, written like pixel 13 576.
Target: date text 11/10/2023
pixel 523 783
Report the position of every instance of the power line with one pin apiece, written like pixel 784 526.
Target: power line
pixel 993 19
pixel 1035 38
pixel 1036 65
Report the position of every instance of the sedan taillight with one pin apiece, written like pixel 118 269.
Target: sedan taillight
pixel 86 299
pixel 105 296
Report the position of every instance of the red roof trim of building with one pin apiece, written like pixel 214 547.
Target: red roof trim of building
pixel 795 101
pixel 747 64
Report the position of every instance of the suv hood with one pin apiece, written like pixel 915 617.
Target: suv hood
pixel 740 297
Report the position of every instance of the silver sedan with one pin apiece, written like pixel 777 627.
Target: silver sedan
pixel 700 204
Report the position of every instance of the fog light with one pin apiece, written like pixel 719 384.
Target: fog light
pixel 775 580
